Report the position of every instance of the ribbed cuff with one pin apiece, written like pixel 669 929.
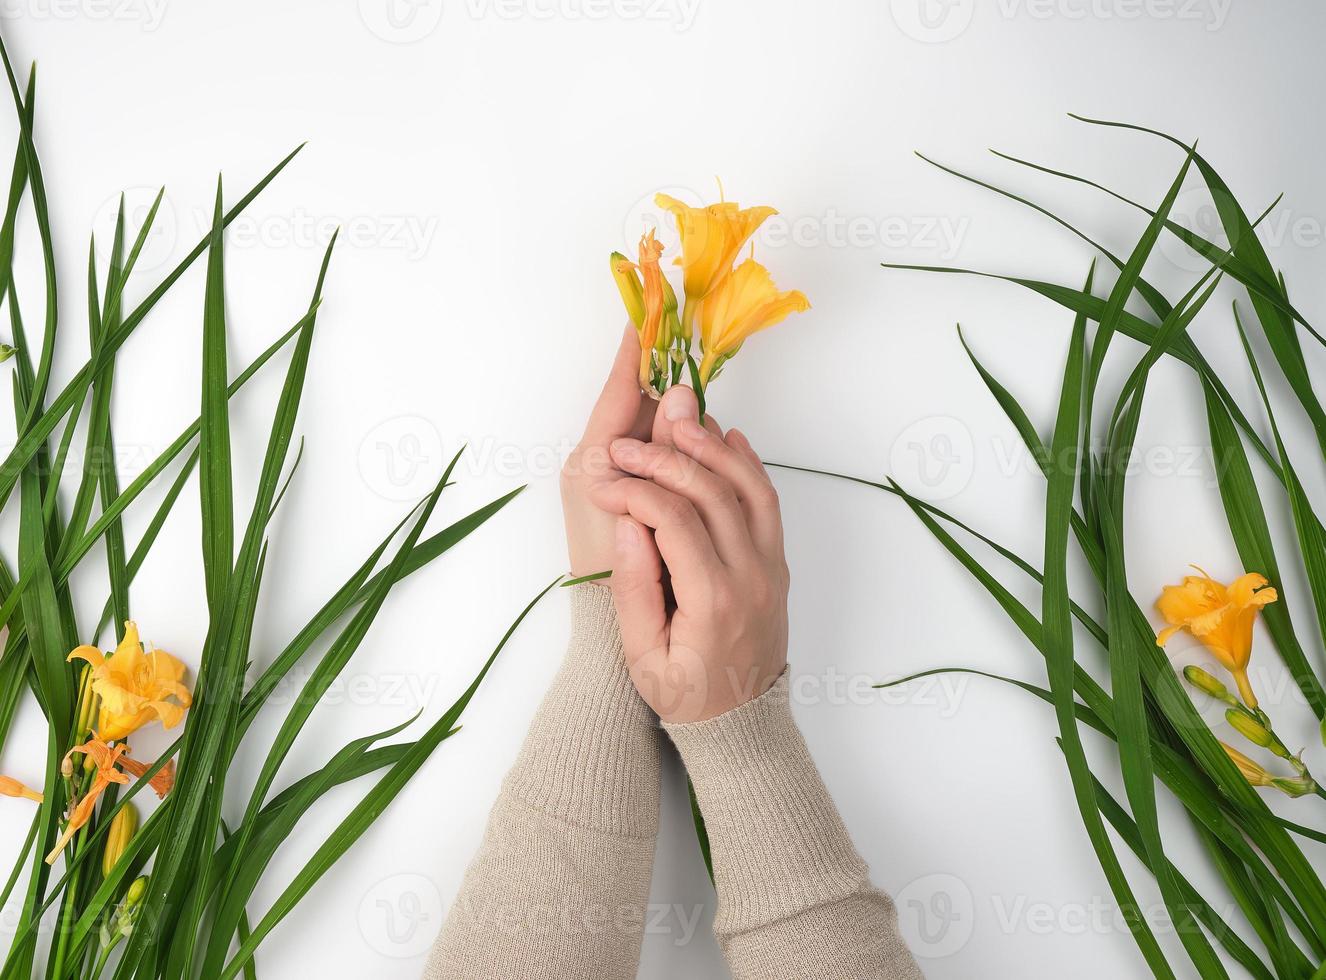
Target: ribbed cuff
pixel 777 842
pixel 591 757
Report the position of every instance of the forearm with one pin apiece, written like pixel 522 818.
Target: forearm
pixel 559 885
pixel 794 897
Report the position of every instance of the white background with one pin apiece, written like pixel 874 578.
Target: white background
pixel 483 157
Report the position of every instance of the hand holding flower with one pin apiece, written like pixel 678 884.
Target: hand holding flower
pixel 704 508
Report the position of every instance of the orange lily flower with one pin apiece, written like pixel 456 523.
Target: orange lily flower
pixel 105 758
pixel 1219 615
pixel 162 782
pixel 12 787
pixel 711 239
pixel 744 303
pixel 652 275
pixel 135 687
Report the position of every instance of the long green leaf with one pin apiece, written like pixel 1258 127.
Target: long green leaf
pixel 218 504
pixel 362 817
pixel 1058 633
pixel 1252 539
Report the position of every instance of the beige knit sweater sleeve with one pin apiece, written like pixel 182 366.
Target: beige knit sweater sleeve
pixel 558 888
pixel 794 897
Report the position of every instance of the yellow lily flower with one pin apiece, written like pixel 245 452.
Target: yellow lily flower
pixel 104 758
pixel 135 687
pixel 744 303
pixel 12 787
pixel 711 239
pixel 1221 616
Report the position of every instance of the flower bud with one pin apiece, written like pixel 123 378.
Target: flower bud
pixel 668 329
pixel 672 324
pixel 121 832
pixel 628 284
pixel 1249 728
pixel 1207 684
pixel 6 352
pixel 87 704
pixel 136 891
pixel 1251 771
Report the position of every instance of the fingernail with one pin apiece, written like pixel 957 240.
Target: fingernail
pixel 691 429
pixel 679 403
pixel 628 535
pixel 626 448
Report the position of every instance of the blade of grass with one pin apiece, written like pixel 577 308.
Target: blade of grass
pixel 362 817
pixel 355 591
pixel 1277 326
pixel 1188 791
pixel 234 608
pixel 1128 324
pixel 1226 261
pixel 218 505
pixel 1058 635
pixel 1311 537
pixel 1109 320
pixel 75 390
pixel 1187 896
pixel 1252 539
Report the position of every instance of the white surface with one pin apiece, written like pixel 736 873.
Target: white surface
pixel 483 158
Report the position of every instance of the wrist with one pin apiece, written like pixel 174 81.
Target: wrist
pixel 777 842
pixel 591 757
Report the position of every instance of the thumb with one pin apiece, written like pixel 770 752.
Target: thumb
pixel 618 404
pixel 678 402
pixel 637 592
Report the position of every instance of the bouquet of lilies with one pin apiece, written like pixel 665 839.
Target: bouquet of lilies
pixel 1272 921
pixel 164 889
pixel 728 301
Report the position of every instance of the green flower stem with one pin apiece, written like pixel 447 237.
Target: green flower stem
pixel 104 955
pixel 68 908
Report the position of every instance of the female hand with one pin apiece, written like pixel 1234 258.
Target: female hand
pixel 702 505
pixel 622 410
